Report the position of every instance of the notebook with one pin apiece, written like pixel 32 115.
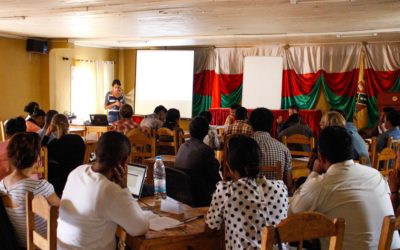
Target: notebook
pixel 136 177
pixel 98 120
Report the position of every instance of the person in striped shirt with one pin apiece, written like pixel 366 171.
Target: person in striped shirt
pixel 23 152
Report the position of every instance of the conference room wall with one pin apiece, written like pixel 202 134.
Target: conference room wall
pixel 20 77
pixel 60 62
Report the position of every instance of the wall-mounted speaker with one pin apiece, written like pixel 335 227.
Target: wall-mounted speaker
pixel 37 46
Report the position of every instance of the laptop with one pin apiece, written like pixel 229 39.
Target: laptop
pixel 136 178
pixel 98 120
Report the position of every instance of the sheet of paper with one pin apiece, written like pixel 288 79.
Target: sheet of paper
pixel 171 207
pixel 161 223
pixel 305 159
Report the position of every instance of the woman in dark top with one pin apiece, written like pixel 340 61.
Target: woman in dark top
pixel 66 151
pixel 172 123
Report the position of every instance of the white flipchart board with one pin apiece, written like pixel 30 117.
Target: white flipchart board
pixel 262 82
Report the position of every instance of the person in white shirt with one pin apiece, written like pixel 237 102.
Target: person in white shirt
pixel 338 187
pixel 96 199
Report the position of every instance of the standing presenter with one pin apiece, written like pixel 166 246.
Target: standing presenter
pixel 114 100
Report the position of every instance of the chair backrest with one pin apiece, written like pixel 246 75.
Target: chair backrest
pixel 372 151
pixel 393 143
pixel 90 147
pixel 2 132
pixel 299 140
pixel 389 224
pixel 178 185
pixel 305 226
pixel 275 170
pixel 225 169
pixel 39 205
pixel 143 145
pixel 42 167
pixel 167 138
pixel 387 156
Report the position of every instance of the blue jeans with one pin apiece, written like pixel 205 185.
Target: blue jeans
pixel 113 116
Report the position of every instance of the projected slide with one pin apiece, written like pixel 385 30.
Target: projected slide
pixel 164 77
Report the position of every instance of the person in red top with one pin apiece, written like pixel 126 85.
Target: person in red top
pixel 13 126
pixel 125 123
pixel 36 122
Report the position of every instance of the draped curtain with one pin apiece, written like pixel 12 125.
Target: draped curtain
pixel 381 74
pixel 307 68
pixel 90 80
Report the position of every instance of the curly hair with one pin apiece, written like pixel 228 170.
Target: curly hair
pixel 23 150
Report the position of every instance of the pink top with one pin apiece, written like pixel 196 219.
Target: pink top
pixel 4 165
pixel 31 127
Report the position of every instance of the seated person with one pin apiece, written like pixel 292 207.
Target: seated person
pixel 366 133
pixel 332 118
pixel 23 152
pixel 47 120
pixel 12 126
pixel 247 203
pixel 30 108
pixel 211 138
pixel 155 120
pixel 65 152
pixel 296 127
pixel 125 122
pixel 338 187
pixel 240 126
pixel 198 161
pixel 272 150
pixel 172 123
pixel 230 119
pixel 392 122
pixel 294 109
pixel 96 199
pixel 36 121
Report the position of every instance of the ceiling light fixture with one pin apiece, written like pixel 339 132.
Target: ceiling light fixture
pixel 347 35
pixel 12 18
pixel 320 1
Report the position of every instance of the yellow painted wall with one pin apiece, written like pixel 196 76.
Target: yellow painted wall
pixel 20 78
pixel 60 62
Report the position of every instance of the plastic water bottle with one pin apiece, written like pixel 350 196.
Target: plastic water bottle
pixel 160 189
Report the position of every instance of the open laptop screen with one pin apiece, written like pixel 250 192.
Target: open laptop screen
pixel 136 177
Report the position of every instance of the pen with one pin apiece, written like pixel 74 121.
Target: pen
pixel 193 218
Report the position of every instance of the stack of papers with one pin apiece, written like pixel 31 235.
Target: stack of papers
pixel 162 223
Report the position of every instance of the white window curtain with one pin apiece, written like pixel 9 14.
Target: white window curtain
pixel 90 81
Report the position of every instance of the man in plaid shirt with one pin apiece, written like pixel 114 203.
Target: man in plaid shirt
pixel 261 120
pixel 240 126
pixel 125 123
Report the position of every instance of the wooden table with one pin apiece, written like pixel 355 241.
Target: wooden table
pixel 299 168
pixel 78 130
pixel 168 160
pixel 191 236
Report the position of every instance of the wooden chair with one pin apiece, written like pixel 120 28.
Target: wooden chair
pixel 372 151
pixel 300 140
pixel 305 226
pixel 2 132
pixel 39 206
pixel 143 145
pixel 276 170
pixel 393 143
pixel 42 166
pixel 167 138
pixel 90 147
pixel 388 156
pixel 389 224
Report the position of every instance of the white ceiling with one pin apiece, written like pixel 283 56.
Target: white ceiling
pixel 138 23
